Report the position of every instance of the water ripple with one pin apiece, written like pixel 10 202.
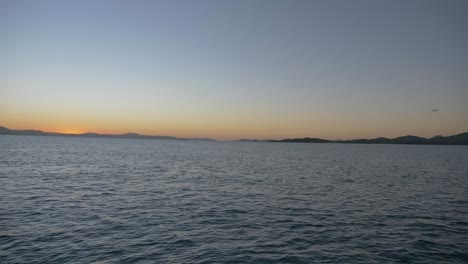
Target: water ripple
pixel 85 200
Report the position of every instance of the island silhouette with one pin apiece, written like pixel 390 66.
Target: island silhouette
pixel 31 132
pixel 458 139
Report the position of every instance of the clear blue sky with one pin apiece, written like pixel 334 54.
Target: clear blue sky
pixel 233 69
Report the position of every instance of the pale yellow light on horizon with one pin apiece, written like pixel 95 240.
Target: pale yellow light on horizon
pixel 226 125
pixel 218 128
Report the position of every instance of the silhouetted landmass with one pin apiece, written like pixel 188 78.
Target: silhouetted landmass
pixel 6 131
pixel 251 140
pixel 459 139
pixel 380 140
pixel 302 140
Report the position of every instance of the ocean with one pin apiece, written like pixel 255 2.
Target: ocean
pixel 103 200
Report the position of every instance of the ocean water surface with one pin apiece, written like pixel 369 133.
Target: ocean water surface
pixel 85 200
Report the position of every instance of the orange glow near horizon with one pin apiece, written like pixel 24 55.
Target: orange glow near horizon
pixel 231 128
pixel 229 125
pixel 70 131
pixel 155 68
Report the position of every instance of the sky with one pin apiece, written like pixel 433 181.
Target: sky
pixel 236 69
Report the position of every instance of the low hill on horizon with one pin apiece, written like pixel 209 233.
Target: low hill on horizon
pixel 29 132
pixel 458 139
pixel 302 140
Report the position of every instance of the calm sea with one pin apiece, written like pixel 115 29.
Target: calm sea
pixel 84 200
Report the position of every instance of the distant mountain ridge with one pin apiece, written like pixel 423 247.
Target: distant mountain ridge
pixel 458 139
pixel 302 140
pixel 29 132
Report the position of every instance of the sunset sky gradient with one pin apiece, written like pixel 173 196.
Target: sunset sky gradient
pixel 236 69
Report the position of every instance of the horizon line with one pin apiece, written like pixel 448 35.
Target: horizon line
pixel 135 134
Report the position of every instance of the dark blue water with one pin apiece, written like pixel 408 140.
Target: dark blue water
pixel 82 200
